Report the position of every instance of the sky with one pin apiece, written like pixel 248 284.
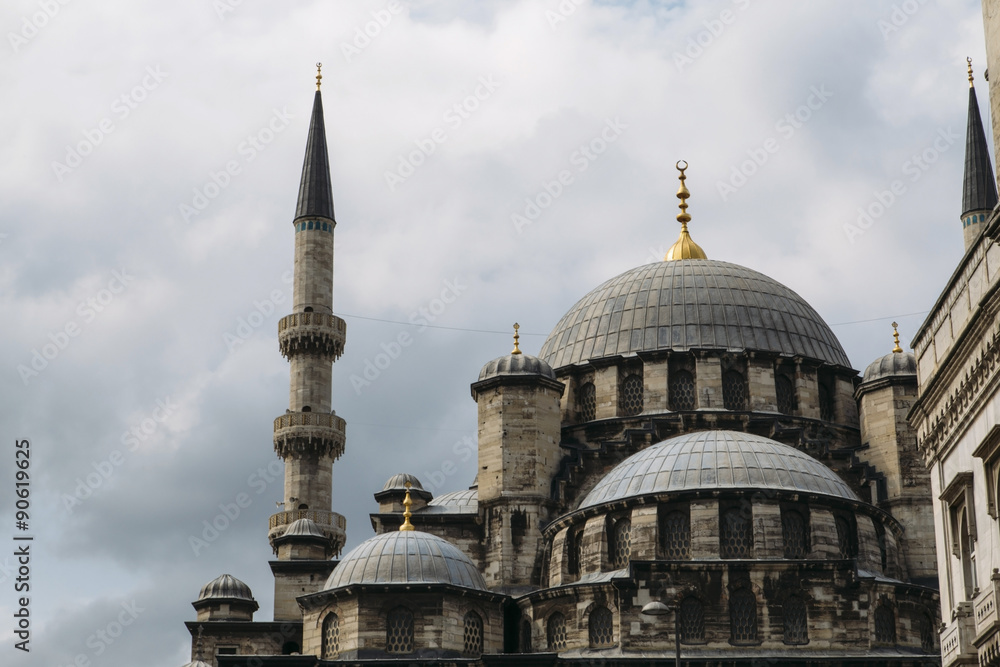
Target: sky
pixel 492 162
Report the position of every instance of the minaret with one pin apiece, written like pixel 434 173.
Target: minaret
pixel 979 191
pixel 309 436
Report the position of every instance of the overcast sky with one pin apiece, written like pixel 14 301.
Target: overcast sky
pixel 152 153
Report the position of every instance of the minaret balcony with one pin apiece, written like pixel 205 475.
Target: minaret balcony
pixel 317 333
pixel 309 433
pixel 333 525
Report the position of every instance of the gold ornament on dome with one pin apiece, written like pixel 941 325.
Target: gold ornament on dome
pixel 684 247
pixel 407 502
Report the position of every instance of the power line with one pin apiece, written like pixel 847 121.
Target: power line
pixel 879 319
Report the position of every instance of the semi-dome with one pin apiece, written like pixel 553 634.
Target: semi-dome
pixel 406 557
pixel 891 365
pixel 398 482
pixel 303 528
pixel 516 364
pixel 456 502
pixel 690 304
pixel 225 586
pixel 712 460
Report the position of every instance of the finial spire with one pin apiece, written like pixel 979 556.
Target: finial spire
pixel 407 502
pixel 685 247
pixel 969 60
pixel 895 337
pixel 315 192
pixel 517 336
pixel 979 187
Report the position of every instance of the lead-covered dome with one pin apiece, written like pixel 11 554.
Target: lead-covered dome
pixel 710 460
pixel 516 364
pixel 893 364
pixel 406 557
pixel 225 586
pixel 690 304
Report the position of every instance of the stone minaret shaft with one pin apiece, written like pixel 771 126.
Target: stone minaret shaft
pixel 309 436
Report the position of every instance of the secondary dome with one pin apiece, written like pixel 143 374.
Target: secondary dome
pixel 689 304
pixel 516 364
pixel 225 586
pixel 717 460
pixel 460 502
pixel 398 482
pixel 406 557
pixel 891 365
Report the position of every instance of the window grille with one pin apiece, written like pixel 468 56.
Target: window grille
pixel 734 391
pixel 885 624
pixel 588 402
pixel 845 538
pixel 785 391
pixel 602 632
pixel 556 632
pixel 926 635
pixel 676 536
pixel 743 617
pixel 735 534
pixel 331 636
pixel 574 551
pixel 681 391
pixel 473 634
pixel 620 548
pixel 796 624
pixel 692 621
pixel 631 396
pixel 795 532
pixel 883 551
pixel 399 631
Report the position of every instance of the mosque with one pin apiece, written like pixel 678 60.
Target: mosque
pixel 690 472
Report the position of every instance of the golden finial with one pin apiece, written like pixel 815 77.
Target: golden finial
pixel 407 526
pixel 685 247
pixel 319 74
pixel 895 338
pixel 969 60
pixel 517 336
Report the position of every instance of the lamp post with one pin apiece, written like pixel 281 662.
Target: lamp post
pixel 660 609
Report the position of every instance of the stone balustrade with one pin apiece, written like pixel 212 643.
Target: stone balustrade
pixel 309 433
pixel 317 333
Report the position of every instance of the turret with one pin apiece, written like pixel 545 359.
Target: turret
pixel 979 191
pixel 519 454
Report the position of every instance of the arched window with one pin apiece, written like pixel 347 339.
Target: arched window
pixel 735 533
pixel 473 635
pixel 826 408
pixel 555 632
pixel 675 530
pixel 331 636
pixel 846 537
pixel 630 398
pixel 588 402
pixel 795 533
pixel 574 550
pixel 796 623
pixel 620 543
pixel 883 552
pixel 692 621
pixel 681 390
pixel 743 617
pixel 525 636
pixel 926 634
pixel 734 391
pixel 399 631
pixel 602 627
pixel 785 391
pixel 885 624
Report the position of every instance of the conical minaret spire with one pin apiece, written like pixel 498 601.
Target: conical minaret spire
pixel 979 190
pixel 309 437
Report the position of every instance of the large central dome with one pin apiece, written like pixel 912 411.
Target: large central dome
pixel 690 304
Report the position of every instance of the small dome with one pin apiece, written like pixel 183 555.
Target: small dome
pixel 516 364
pixel 690 304
pixel 398 482
pixel 710 460
pixel 303 528
pixel 456 502
pixel 226 586
pixel 406 557
pixel 891 365
pixel 197 663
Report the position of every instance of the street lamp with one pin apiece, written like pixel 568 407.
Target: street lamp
pixel 660 609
